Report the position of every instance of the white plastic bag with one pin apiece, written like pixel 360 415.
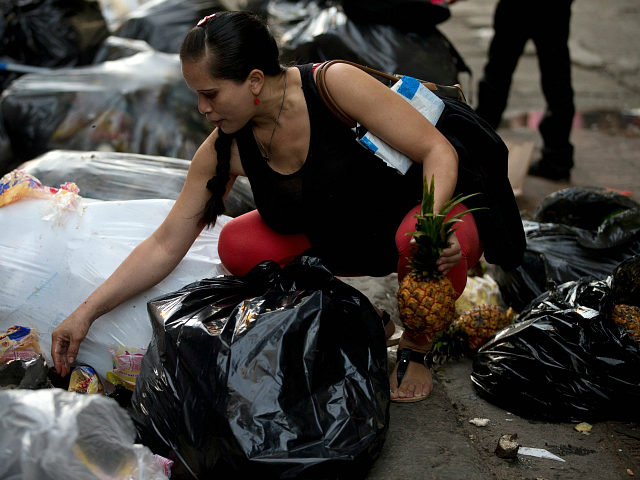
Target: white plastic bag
pixel 54 434
pixel 423 100
pixel 48 268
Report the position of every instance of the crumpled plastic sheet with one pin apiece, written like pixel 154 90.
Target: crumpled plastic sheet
pixel 127 176
pixel 281 373
pixel 330 34
pixel 565 359
pixel 135 104
pixel 52 434
pixel 49 268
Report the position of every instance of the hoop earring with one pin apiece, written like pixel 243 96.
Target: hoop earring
pixel 256 101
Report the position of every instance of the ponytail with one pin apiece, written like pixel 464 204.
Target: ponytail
pixel 217 184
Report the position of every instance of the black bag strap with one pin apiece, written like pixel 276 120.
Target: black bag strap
pixel 450 91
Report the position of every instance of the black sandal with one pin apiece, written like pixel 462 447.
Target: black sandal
pixel 405 356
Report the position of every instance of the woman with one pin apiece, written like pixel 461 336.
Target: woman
pixel 313 185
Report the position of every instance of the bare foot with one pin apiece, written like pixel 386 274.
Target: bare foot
pixel 417 382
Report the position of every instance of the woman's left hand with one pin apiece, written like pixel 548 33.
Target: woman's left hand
pixel 450 256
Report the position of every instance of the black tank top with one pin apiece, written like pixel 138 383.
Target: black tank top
pixel 345 199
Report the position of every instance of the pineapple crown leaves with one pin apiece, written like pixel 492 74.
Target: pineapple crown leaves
pixel 449 344
pixel 433 230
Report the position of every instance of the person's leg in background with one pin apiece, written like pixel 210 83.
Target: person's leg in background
pixel 417 380
pixel 551 38
pixel 511 32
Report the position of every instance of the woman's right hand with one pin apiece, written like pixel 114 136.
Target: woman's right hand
pixel 65 342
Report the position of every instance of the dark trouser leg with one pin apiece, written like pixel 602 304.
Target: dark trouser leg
pixel 551 39
pixel 511 34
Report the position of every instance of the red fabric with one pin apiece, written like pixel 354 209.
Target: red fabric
pixel 246 241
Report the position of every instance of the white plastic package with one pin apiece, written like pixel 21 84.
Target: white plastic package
pixel 53 434
pixel 49 267
pixel 423 100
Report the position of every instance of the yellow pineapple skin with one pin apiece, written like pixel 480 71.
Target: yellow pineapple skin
pixel 425 307
pixel 628 316
pixel 482 322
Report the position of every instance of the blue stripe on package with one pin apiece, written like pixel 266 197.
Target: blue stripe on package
pixel 368 144
pixel 408 87
pixel 423 100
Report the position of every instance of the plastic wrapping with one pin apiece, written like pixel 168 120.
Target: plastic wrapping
pixel 127 176
pixel 586 231
pixel 52 434
pixel 281 373
pixel 330 34
pixel 565 359
pixel 48 268
pixel 115 48
pixel 137 104
pixel 115 11
pixel 50 33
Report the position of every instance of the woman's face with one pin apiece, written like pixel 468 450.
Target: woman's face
pixel 226 103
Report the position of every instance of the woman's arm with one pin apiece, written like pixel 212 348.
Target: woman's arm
pixel 391 118
pixel 149 263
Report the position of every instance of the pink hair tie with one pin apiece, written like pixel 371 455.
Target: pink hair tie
pixel 205 19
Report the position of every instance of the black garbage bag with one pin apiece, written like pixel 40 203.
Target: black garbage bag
pixel 127 176
pixel 578 232
pixel 407 15
pixel 137 104
pixel 163 24
pixel 329 34
pixel 565 359
pixel 49 33
pixel 28 373
pixel 281 373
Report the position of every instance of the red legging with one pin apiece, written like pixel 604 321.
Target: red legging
pixel 246 241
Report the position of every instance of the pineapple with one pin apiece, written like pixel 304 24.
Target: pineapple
pixel 426 298
pixel 482 322
pixel 628 317
pixel 470 331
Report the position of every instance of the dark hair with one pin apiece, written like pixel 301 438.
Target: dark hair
pixel 236 42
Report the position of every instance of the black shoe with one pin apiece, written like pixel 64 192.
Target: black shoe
pixel 540 168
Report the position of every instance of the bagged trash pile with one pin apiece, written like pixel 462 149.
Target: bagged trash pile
pixel 331 34
pixel 127 176
pixel 572 355
pixel 136 104
pixel 576 232
pixel 61 246
pixel 48 33
pixel 407 15
pixel 163 24
pixel 53 434
pixel 281 373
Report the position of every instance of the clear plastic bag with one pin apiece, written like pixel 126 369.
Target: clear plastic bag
pixel 127 176
pixel 52 434
pixel 49 268
pixel 135 104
